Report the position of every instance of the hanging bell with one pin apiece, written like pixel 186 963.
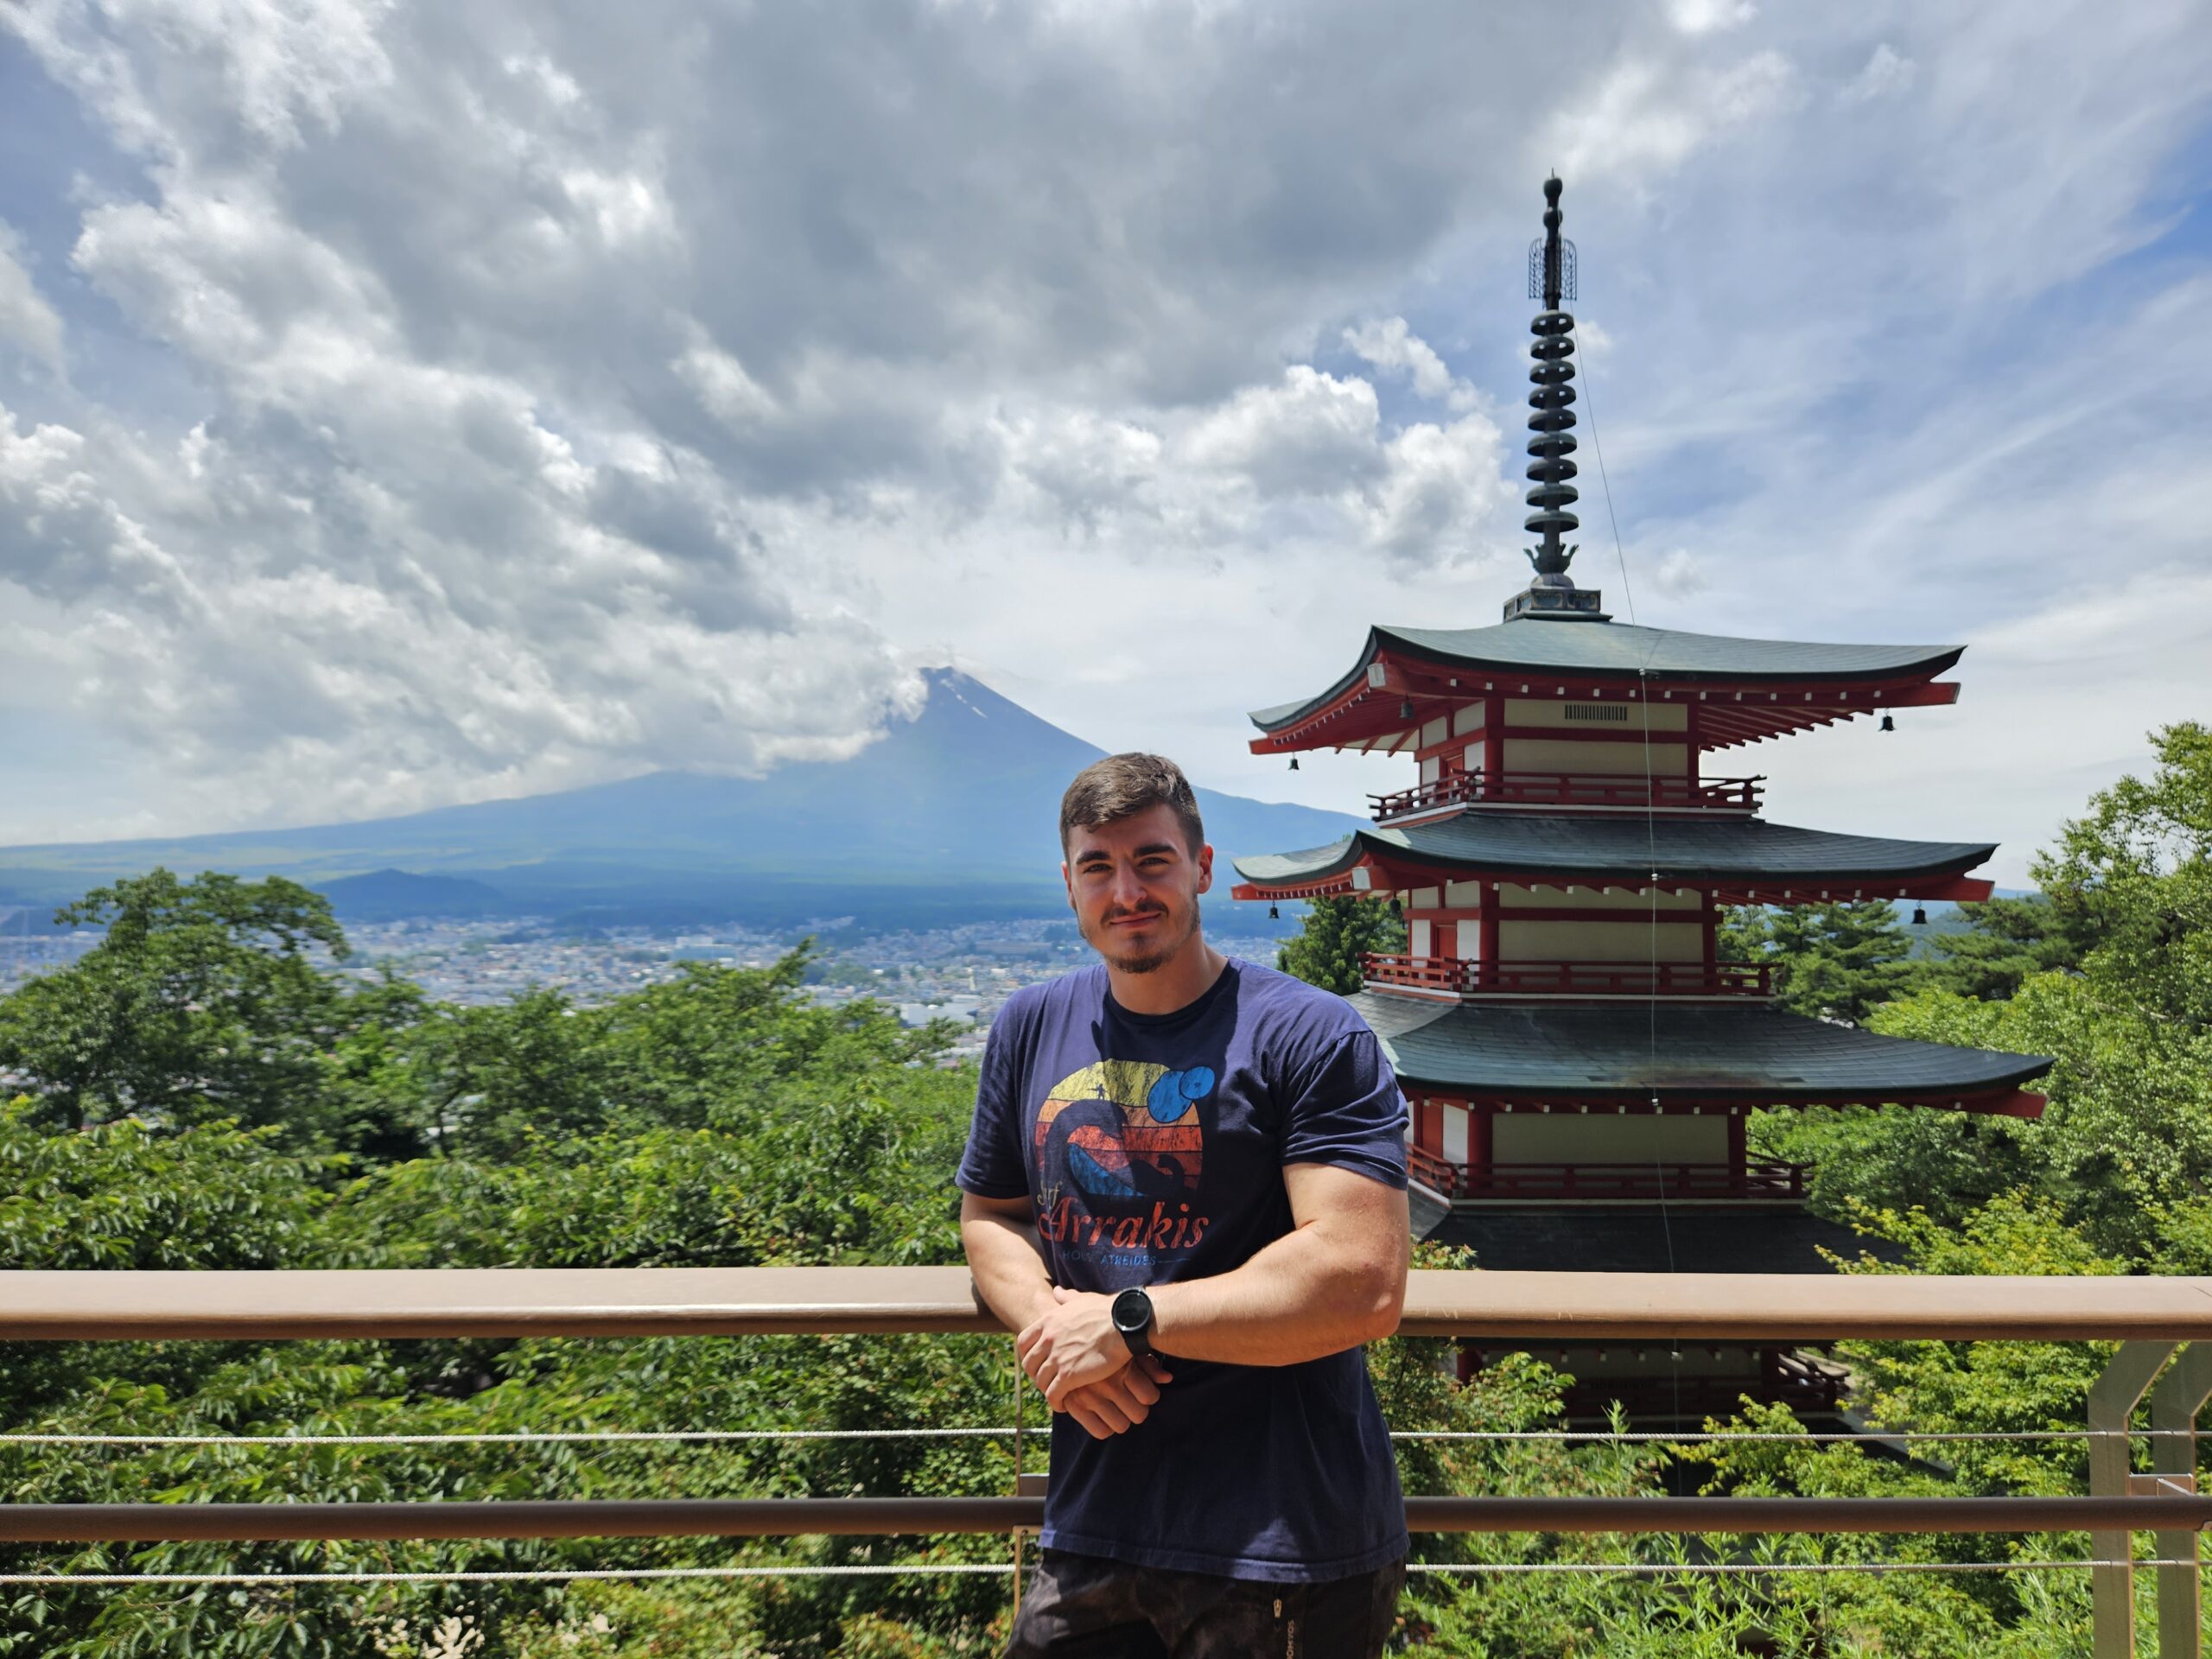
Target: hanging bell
pixel 1920 915
pixel 1396 909
pixel 1293 763
pixel 1405 708
pixel 1273 915
pixel 1888 725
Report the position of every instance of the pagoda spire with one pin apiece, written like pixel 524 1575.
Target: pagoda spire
pixel 1551 423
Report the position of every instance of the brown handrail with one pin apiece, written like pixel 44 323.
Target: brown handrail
pixel 50 1523
pixel 726 1301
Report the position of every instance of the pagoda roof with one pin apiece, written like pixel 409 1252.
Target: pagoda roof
pixel 1735 853
pixel 1610 648
pixel 1683 1053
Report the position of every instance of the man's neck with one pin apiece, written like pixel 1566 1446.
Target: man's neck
pixel 1176 983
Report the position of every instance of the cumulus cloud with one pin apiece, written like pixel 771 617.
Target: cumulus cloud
pixel 500 396
pixel 27 321
pixel 1390 344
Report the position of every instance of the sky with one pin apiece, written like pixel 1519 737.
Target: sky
pixel 404 404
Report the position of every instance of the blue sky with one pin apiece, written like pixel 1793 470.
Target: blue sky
pixel 401 404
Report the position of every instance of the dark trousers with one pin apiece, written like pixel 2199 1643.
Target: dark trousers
pixel 1082 1607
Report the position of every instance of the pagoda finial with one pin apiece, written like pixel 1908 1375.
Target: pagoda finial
pixel 1551 419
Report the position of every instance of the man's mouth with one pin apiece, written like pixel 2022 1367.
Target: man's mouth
pixel 1138 921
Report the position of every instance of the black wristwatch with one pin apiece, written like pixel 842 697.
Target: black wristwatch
pixel 1133 1318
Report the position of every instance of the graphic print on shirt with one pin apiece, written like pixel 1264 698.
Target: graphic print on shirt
pixel 1120 1146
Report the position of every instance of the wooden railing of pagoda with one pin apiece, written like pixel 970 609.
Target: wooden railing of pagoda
pixel 1464 978
pixel 2148 1316
pixel 1648 1182
pixel 1571 789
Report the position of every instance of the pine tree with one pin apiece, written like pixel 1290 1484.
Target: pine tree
pixel 1336 934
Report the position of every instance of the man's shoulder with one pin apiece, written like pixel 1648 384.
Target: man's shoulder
pixel 1289 1003
pixel 1048 997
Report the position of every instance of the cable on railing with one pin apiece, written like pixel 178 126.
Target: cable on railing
pixel 938 1569
pixel 1591 1436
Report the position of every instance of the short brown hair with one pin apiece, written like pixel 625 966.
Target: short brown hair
pixel 1123 785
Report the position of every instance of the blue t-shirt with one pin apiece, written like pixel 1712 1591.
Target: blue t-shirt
pixel 1152 1148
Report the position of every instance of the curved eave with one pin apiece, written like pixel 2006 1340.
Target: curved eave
pixel 1795 867
pixel 1754 698
pixel 1635 1058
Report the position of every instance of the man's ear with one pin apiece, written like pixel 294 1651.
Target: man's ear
pixel 1205 868
pixel 1068 881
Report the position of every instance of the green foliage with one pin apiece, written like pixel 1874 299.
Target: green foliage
pixel 2004 941
pixel 1833 961
pixel 203 1093
pixel 203 1003
pixel 1338 932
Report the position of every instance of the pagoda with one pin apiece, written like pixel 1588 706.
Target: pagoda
pixel 1579 1061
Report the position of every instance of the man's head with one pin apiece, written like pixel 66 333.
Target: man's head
pixel 1136 859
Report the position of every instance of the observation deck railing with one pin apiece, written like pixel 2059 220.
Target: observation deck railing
pixel 1607 791
pixel 1575 979
pixel 2148 1317
pixel 1645 1183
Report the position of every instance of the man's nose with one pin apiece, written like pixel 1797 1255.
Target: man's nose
pixel 1128 889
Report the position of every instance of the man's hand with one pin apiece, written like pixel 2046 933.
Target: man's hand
pixel 1072 1345
pixel 1122 1402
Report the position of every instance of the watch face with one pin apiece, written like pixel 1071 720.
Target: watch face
pixel 1132 1311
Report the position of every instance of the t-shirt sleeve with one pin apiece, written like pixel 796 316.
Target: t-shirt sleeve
pixel 1347 1113
pixel 992 1167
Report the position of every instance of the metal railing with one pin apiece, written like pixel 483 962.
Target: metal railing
pixel 1601 790
pixel 1649 1182
pixel 1588 979
pixel 2150 1317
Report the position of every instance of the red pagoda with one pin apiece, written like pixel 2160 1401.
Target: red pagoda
pixel 1579 1061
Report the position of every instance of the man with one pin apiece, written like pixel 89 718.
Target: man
pixel 1185 1191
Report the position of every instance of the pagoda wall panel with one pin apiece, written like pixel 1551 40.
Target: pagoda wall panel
pixel 1425 899
pixel 1554 714
pixel 1622 941
pixel 1564 1138
pixel 1666 759
pixel 1436 731
pixel 1467 719
pixel 1581 897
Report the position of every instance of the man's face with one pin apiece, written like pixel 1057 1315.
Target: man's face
pixel 1134 884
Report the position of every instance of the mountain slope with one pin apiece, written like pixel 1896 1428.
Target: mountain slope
pixel 954 811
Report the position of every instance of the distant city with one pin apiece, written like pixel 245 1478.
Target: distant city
pixel 962 974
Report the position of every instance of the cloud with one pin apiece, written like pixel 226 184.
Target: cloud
pixel 470 399
pixel 1887 74
pixel 27 321
pixel 1389 343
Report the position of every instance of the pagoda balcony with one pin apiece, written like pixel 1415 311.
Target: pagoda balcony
pixel 1460 978
pixel 1638 1183
pixel 1578 791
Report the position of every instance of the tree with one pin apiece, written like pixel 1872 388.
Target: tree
pixel 1833 961
pixel 1338 932
pixel 2004 941
pixel 203 1003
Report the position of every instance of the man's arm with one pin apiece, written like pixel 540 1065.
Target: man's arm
pixel 1337 1280
pixel 1000 1235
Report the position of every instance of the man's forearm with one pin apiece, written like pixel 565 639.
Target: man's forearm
pixel 1007 1265
pixel 1302 1297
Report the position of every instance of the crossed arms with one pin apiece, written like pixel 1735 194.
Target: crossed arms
pixel 1336 1279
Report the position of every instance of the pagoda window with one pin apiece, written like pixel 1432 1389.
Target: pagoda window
pixel 1527 1137
pixel 1454 1127
pixel 1627 940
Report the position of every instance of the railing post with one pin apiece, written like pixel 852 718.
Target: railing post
pixel 2179 1395
pixel 2113 1400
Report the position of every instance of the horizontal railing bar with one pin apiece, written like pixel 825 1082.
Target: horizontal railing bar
pixel 791 1518
pixel 1549 1307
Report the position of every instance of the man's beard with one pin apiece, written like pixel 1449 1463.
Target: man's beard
pixel 1151 960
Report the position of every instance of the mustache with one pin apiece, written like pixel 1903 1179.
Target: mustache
pixel 1118 913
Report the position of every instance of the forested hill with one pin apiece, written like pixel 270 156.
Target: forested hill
pixel 950 814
